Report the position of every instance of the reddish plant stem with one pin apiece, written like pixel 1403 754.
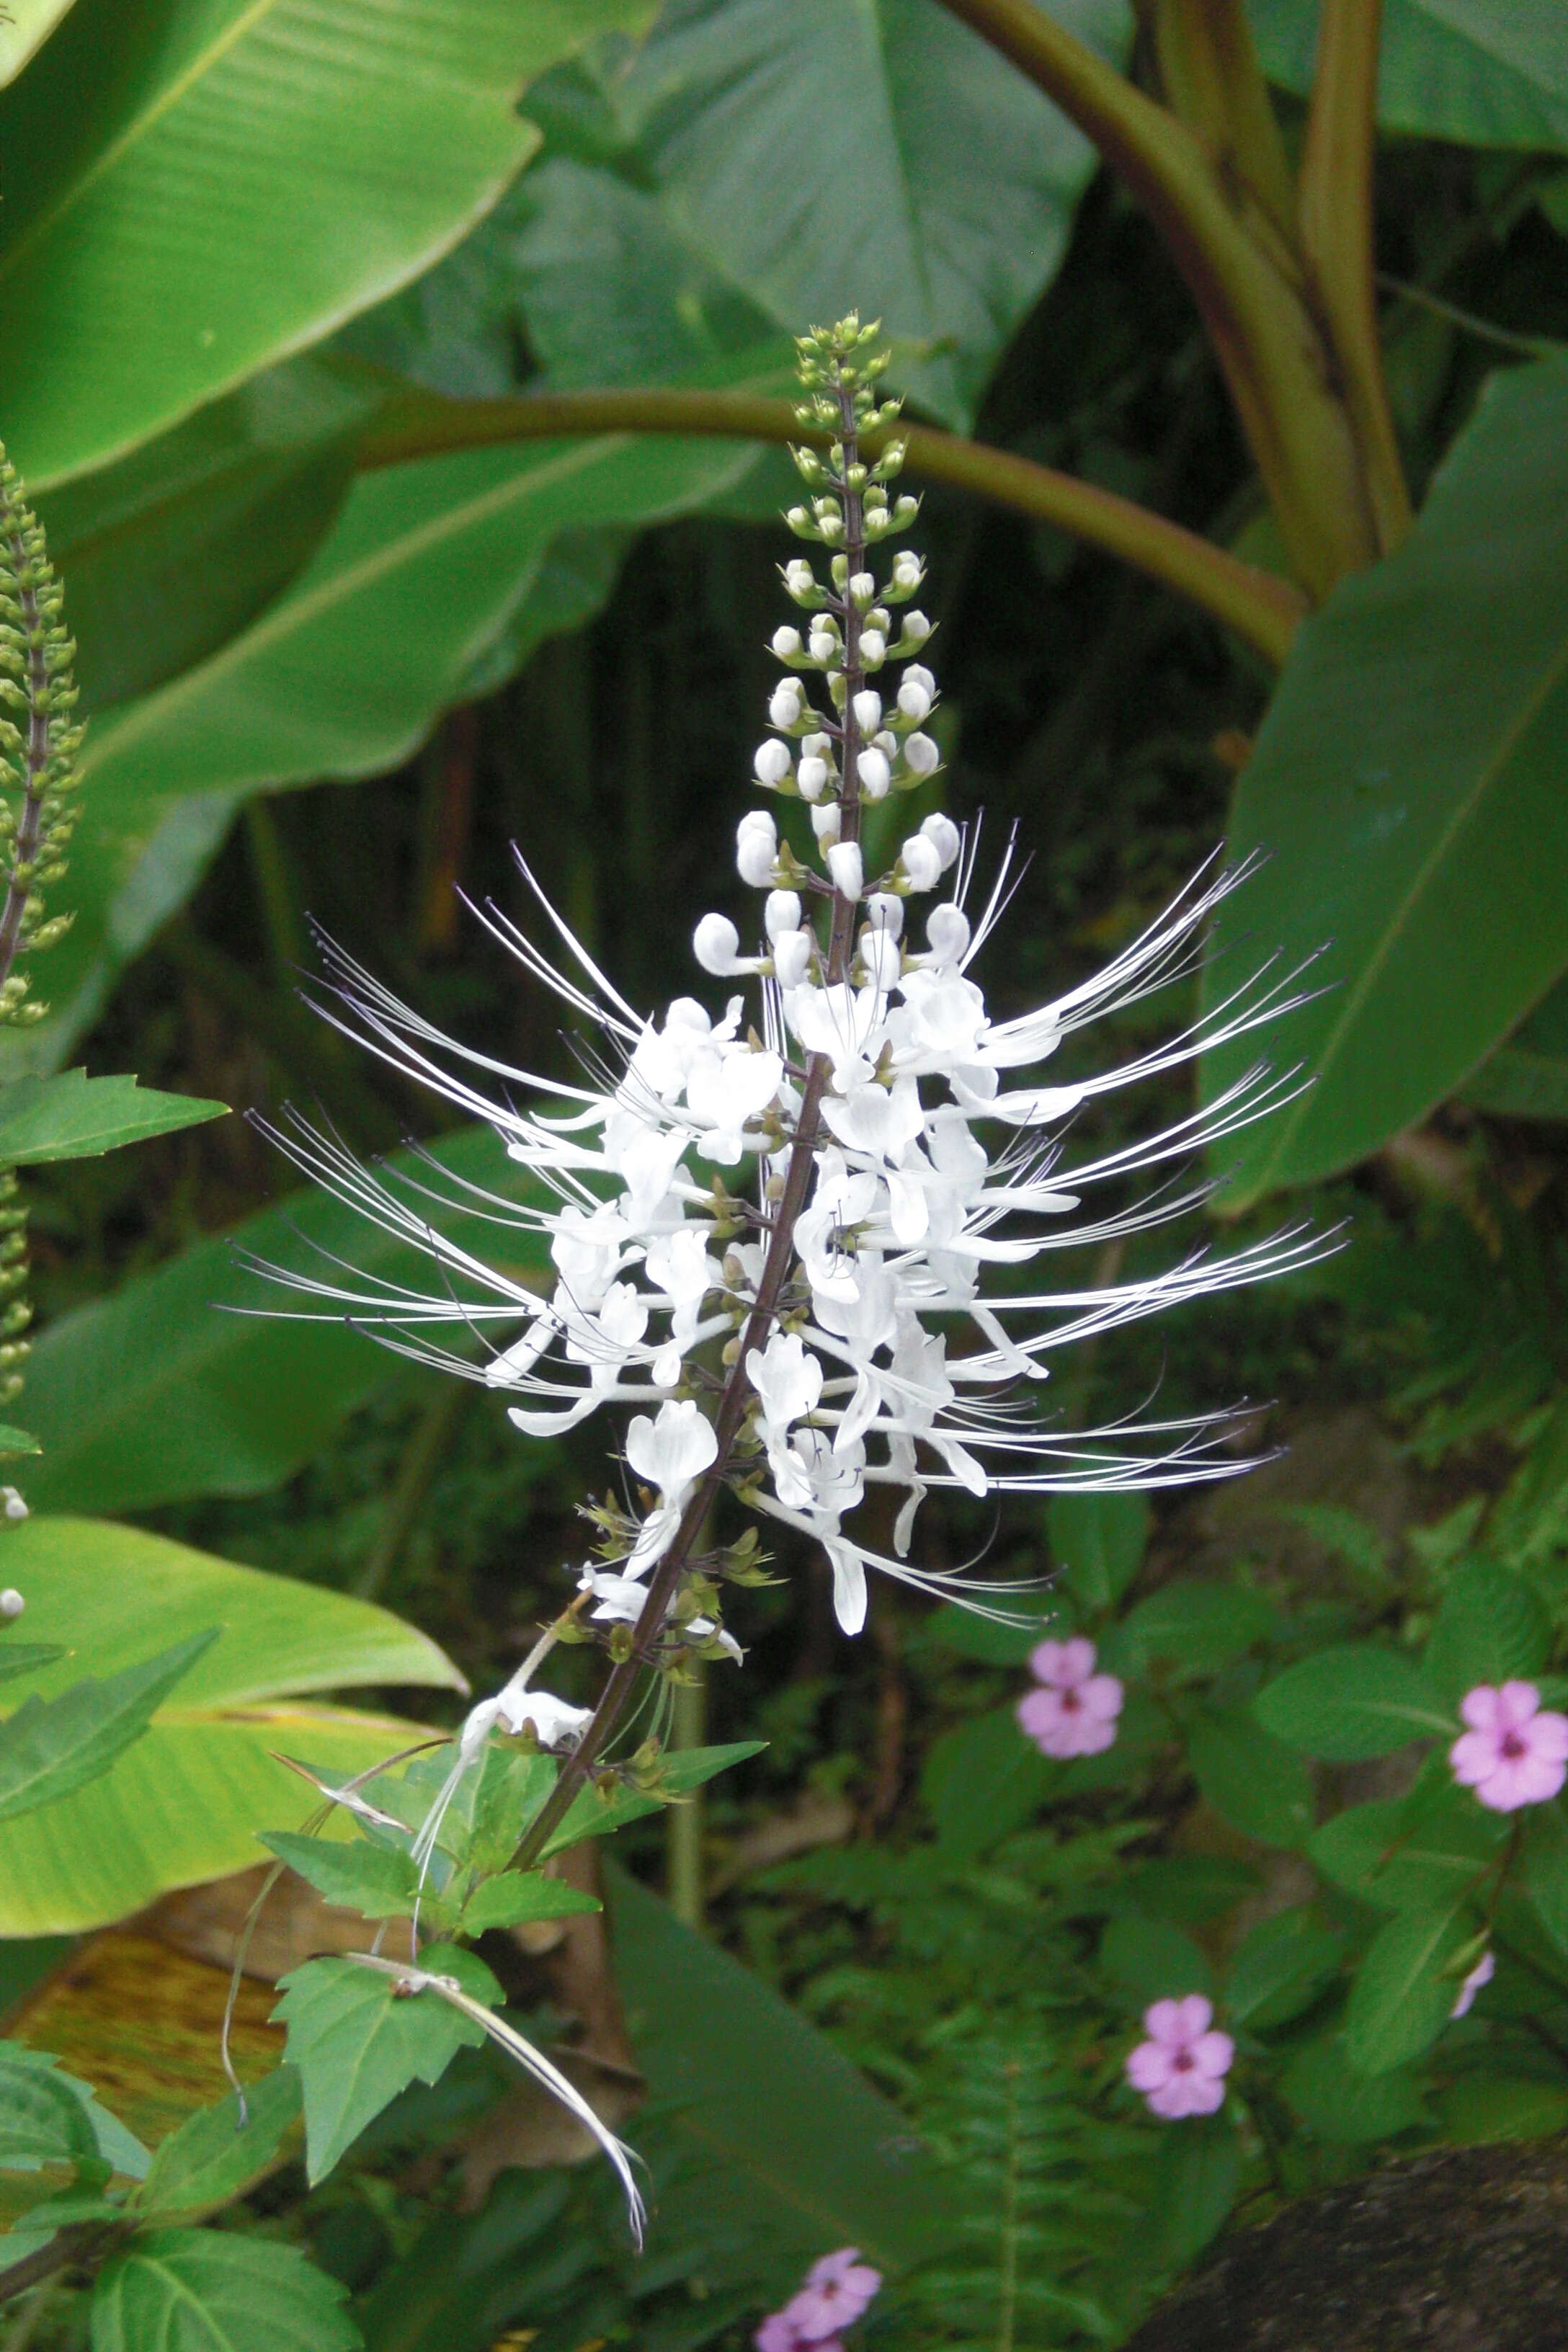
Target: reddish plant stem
pixel 622 1682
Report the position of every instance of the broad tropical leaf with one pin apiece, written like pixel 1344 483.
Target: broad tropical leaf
pixel 176 240
pixel 1407 788
pixel 1489 73
pixel 185 1801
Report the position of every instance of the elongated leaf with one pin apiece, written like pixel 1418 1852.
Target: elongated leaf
pixel 185 1801
pixel 357 2042
pixel 1342 2104
pixel 1408 1859
pixel 1406 786
pixel 1404 1990
pixel 591 1815
pixel 1279 1968
pixel 1527 1078
pixel 50 1748
pixel 216 2291
pixel 214 2157
pixel 784 2141
pixel 166 554
pixel 1490 73
pixel 26 1657
pixel 1492 1626
pixel 1546 1870
pixel 1189 1630
pixel 174 243
pixel 983 1781
pixel 1252 1781
pixel 26 27
pixel 1349 1702
pixel 73 1117
pixel 1198 2172
pixel 517 1894
pixel 427 569
pixel 1100 1542
pixel 42 2119
pixel 964 178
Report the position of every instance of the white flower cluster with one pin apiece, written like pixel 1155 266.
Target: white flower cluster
pixel 771 1235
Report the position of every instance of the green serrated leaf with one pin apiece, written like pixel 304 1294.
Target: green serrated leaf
pixel 1189 1631
pixel 1405 1989
pixel 520 1895
pixel 217 2291
pixel 1253 1780
pixel 591 1815
pixel 382 1881
pixel 1351 1702
pixel 1491 1625
pixel 357 2042
pixel 51 1747
pixel 43 2120
pixel 73 1117
pixel 1405 1859
pixel 213 2157
pixel 27 1657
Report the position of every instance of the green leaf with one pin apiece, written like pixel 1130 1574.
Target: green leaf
pixel 217 2291
pixel 1349 1702
pixel 51 1747
pixel 1491 1625
pixel 1151 1960
pixel 1280 1968
pixel 14 1441
pixel 42 2117
pixel 1198 2173
pixel 173 244
pixel 783 2143
pixel 514 1895
pixel 1098 1541
pixel 428 568
pixel 591 1815
pixel 1485 73
pixel 1546 1869
pixel 1479 2107
pixel 185 1802
pixel 983 1781
pixel 1344 2105
pixel 25 27
pixel 1405 1858
pixel 26 1657
pixel 1252 1781
pixel 1405 1989
pixel 357 2040
pixel 382 1881
pixel 73 1117
pixel 966 178
pixel 213 2157
pixel 166 554
pixel 1527 1078
pixel 149 1397
pixel 958 1633
pixel 1405 787
pixel 1188 1631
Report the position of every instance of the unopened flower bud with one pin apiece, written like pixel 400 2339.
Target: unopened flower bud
pixel 873 648
pixel 875 775
pixel 947 930
pixel 11 1602
pixel 756 849
pixel 811 779
pixel 11 1503
pixel 916 628
pixel 800 580
pixel 944 837
pixel 908 571
pixel 913 699
pixel 792 957
pixel 771 762
pixel 886 912
pixel 786 643
pixel 799 520
pixel 716 943
pixel 918 675
pixel 782 913
pixel 844 865
pixel 828 821
pixel 862 588
pixel 787 703
pixel 824 645
pixel 868 709
pixel 920 755
pixel 921 862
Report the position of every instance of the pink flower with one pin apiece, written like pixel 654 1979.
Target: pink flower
pixel 837 2291
pixel 777 2333
pixel 1180 2069
pixel 1481 1974
pixel 1074 1712
pixel 1512 1754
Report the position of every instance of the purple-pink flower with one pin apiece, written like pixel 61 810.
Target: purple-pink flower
pixel 836 2292
pixel 1074 1712
pixel 1180 2069
pixel 1481 1974
pixel 1515 1752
